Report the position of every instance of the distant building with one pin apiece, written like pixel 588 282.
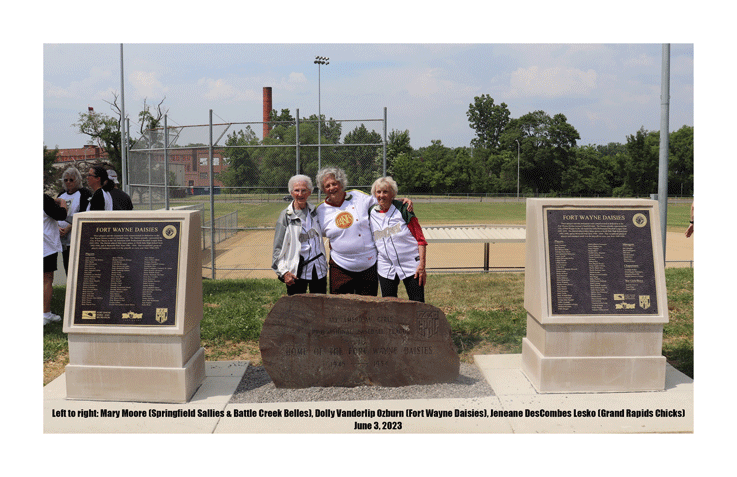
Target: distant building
pixel 89 152
pixel 190 165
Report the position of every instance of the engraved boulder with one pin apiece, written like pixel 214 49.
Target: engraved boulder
pixel 350 340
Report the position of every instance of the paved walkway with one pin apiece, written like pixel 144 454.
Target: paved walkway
pixel 515 407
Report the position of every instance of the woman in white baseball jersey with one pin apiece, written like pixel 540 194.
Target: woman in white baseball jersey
pixel 399 241
pixel 344 219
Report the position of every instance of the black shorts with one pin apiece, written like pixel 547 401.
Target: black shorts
pixel 343 281
pixel 50 262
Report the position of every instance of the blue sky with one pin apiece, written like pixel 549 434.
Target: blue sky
pixel 606 90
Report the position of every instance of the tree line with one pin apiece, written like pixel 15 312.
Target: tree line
pixel 536 154
pixel 541 152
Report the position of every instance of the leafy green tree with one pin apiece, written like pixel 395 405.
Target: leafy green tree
pixel 680 164
pixel 364 162
pixel 639 166
pixel 105 131
pixel 588 174
pixel 280 124
pixel 438 173
pixel 398 143
pixel 546 145
pixel 488 120
pixel 50 172
pixel 503 168
pixel 242 170
pixel 408 171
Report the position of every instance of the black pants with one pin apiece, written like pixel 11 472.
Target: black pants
pixel 316 285
pixel 344 281
pixel 415 291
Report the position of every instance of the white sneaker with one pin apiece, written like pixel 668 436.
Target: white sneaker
pixel 51 317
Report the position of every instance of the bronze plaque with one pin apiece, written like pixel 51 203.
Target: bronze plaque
pixel 601 261
pixel 351 340
pixel 127 273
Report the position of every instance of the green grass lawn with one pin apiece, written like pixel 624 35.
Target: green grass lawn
pixel 486 313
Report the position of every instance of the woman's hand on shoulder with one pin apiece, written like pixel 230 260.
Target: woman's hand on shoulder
pixel 408 201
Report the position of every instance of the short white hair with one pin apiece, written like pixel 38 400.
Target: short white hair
pixel 299 178
pixel 388 181
pixel 339 175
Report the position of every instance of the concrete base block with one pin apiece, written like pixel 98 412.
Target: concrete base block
pixel 136 383
pixel 163 351
pixel 592 374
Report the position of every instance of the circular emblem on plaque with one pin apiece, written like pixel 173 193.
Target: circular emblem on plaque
pixel 169 232
pixel 344 220
pixel 639 220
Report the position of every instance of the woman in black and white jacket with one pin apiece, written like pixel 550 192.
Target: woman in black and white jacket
pixel 299 254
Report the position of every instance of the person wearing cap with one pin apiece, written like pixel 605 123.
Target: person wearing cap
pixel 121 200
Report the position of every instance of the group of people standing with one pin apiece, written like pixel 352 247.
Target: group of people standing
pixel 375 240
pixel 59 214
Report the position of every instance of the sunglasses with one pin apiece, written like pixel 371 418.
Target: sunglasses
pixel 68 180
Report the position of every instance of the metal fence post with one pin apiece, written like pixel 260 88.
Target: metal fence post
pixel 166 164
pixel 212 205
pixel 296 141
pixel 384 145
pixel 150 190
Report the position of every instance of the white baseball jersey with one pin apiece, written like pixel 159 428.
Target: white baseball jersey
pixel 398 251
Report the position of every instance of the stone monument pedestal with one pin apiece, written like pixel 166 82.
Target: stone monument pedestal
pixel 595 296
pixel 134 306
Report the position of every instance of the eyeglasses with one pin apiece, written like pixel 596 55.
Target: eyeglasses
pixel 68 180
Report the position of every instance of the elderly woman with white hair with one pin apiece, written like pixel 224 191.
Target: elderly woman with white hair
pixel 399 241
pixel 76 198
pixel 344 218
pixel 299 254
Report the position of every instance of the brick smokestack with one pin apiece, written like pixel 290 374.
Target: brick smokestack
pixel 267 110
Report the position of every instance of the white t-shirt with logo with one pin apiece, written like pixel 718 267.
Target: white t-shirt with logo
pixel 347 227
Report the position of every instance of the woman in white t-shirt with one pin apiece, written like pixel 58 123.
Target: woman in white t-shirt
pixel 345 222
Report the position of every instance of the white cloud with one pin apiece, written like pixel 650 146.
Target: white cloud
pixel 297 78
pixel 224 90
pixel 146 84
pixel 51 91
pixel 552 82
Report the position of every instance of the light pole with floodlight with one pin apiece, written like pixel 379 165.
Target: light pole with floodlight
pixel 319 61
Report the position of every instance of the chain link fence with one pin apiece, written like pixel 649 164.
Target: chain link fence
pixel 238 180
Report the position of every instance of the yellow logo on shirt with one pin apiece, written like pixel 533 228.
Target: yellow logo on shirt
pixel 344 220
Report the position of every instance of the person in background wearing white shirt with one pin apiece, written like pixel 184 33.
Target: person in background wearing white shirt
pixel 54 210
pixel 76 198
